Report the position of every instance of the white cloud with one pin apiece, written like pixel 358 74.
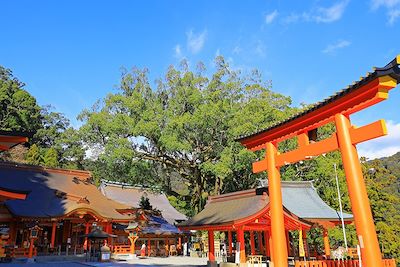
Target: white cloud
pixel 195 41
pixel 392 8
pixel 319 14
pixel 338 45
pixel 236 50
pixel 269 18
pixel 330 14
pixel 385 3
pixel 260 49
pixel 383 146
pixel 178 51
pixel 393 15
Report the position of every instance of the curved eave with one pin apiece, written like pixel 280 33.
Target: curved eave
pixel 249 222
pixel 368 91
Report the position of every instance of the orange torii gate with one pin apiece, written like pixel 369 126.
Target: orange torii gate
pixel 337 109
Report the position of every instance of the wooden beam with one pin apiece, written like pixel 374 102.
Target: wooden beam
pixel 3 147
pixel 368 132
pixel 367 95
pixel 305 152
pixel 12 195
pixel 13 139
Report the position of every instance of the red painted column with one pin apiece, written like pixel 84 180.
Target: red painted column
pixel 148 247
pixel 288 241
pixel 230 242
pixel 260 243
pixel 370 251
pixel 211 249
pixel 305 244
pixel 326 243
pixel 240 238
pixel 53 234
pixel 266 239
pixel 85 244
pixel 279 247
pixel 252 243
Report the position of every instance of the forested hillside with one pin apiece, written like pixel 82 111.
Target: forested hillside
pixel 178 137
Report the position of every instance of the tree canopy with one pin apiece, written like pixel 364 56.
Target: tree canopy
pixel 183 131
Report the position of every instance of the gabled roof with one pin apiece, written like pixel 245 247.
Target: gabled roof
pixel 56 193
pixel 300 201
pixel 131 195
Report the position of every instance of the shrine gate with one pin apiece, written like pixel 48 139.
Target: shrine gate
pixel 336 109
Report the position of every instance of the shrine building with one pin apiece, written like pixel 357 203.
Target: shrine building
pixel 249 211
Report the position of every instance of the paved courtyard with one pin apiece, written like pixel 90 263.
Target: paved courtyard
pixel 159 262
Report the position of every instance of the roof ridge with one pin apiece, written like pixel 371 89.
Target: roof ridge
pixel 126 185
pixel 23 166
pixel 228 196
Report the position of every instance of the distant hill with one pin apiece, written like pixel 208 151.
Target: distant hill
pixel 392 164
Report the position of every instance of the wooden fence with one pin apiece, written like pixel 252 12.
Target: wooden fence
pixel 340 263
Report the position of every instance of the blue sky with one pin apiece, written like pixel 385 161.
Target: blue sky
pixel 69 53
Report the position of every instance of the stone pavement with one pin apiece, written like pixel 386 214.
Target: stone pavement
pixel 157 262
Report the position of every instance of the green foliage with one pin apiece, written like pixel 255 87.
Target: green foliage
pixel 33 155
pixel 19 110
pixel 185 127
pixel 50 158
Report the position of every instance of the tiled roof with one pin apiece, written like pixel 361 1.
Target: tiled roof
pixel 299 198
pixel 131 195
pixel 55 193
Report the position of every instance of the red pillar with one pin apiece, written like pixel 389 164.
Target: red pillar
pixel 370 251
pixel 148 247
pixel 266 239
pixel 240 238
pixel 252 243
pixel 109 231
pixel 85 244
pixel 288 241
pixel 260 243
pixel 326 244
pixel 180 245
pixel 53 234
pixel 230 242
pixel 279 248
pixel 305 244
pixel 211 249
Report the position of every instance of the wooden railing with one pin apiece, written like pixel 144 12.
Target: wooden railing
pixel 339 263
pixel 121 249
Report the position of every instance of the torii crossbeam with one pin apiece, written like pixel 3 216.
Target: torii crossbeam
pixel 368 91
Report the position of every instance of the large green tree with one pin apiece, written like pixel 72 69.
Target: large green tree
pixel 182 132
pixel 19 110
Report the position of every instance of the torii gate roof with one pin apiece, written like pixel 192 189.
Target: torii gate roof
pixel 367 91
pixel 250 208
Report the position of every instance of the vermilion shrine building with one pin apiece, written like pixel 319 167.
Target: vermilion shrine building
pixel 250 211
pixel 64 205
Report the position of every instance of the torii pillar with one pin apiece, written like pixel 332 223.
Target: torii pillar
pixel 368 241
pixel 279 248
